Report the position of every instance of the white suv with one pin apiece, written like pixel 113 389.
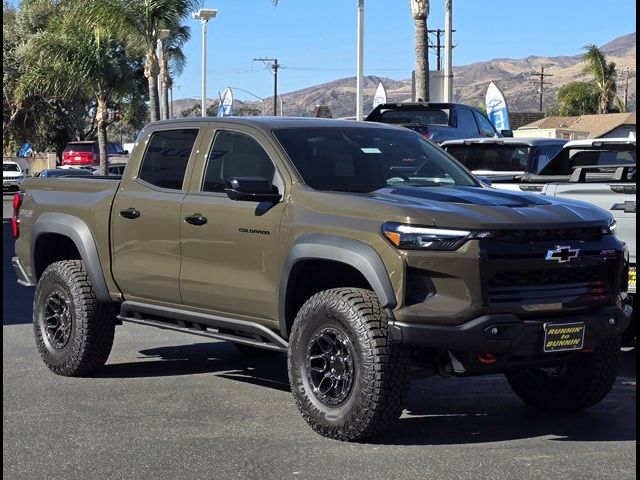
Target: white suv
pixel 12 176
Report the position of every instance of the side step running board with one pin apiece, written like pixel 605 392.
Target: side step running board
pixel 211 326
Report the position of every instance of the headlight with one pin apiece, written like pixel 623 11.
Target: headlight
pixel 609 229
pixel 427 238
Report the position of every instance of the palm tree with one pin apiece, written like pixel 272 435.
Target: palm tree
pixel 72 59
pixel 420 12
pixel 604 74
pixel 172 62
pixel 143 19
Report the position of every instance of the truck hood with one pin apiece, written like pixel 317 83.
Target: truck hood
pixel 482 208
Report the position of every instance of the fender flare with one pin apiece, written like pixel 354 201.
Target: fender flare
pixel 82 237
pixel 349 251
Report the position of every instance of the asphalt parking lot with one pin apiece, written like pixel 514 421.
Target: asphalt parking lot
pixel 172 406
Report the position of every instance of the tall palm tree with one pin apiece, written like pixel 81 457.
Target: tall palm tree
pixel 420 12
pixel 172 62
pixel 71 59
pixel 604 74
pixel 143 19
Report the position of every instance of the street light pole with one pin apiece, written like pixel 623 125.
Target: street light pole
pixel 204 15
pixel 360 62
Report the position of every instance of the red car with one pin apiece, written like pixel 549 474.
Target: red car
pixel 86 153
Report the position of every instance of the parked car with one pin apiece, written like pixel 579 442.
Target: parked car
pixel 12 176
pixel 64 172
pixel 87 153
pixel 496 158
pixel 113 170
pixel 437 121
pixel 294 235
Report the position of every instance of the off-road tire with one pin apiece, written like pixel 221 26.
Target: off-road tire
pixel 581 383
pixel 380 380
pixel 90 335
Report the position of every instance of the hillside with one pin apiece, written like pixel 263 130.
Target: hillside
pixel 470 83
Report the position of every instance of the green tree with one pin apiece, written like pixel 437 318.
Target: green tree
pixel 419 13
pixel 76 59
pixel 576 98
pixel 604 74
pixel 173 61
pixel 143 19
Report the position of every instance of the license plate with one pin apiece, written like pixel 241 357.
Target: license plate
pixel 563 336
pixel 77 158
pixel 632 278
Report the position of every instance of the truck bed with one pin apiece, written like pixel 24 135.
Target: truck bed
pixel 89 198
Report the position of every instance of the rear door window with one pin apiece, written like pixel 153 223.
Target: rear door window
pixel 165 162
pixel 486 127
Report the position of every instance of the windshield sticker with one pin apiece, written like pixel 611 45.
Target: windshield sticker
pixel 370 150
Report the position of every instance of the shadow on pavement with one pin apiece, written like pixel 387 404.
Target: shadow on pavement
pixel 265 369
pixel 16 300
pixel 454 411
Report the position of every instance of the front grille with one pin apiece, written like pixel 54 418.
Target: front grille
pixel 559 234
pixel 578 286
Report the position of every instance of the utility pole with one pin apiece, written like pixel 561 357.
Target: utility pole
pixel 437 48
pixel 542 75
pixel 274 65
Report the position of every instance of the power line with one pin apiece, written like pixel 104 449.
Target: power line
pixel 438 46
pixel 274 65
pixel 541 75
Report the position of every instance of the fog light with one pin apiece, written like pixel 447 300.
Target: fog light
pixel 612 321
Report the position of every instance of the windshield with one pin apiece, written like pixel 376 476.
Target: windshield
pixel 492 157
pixel 367 159
pixel 10 167
pixel 115 148
pixel 79 147
pixel 421 116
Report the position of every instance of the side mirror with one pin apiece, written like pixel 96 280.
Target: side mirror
pixel 486 180
pixel 251 189
pixel 506 133
pixel 125 152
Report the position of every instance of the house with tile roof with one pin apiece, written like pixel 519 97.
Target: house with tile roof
pixel 584 126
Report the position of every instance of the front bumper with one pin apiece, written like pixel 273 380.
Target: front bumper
pixel 516 336
pixel 11 184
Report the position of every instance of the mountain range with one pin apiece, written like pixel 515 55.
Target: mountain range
pixel 513 76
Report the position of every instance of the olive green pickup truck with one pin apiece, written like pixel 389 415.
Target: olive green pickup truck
pixel 309 236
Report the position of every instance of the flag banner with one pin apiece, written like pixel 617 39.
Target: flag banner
pixel 226 104
pixel 497 108
pixel 380 96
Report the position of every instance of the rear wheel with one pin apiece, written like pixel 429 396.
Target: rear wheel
pixel 74 332
pixel 347 375
pixel 570 386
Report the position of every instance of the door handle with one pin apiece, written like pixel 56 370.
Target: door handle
pixel 130 213
pixel 196 219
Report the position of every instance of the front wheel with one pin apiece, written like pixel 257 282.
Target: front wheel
pixel 74 332
pixel 347 375
pixel 569 386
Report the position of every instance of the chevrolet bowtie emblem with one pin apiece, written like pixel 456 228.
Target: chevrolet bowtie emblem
pixel 562 254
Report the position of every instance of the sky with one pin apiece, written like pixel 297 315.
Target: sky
pixel 315 41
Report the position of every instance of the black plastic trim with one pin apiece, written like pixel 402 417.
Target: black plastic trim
pixel 516 335
pixel 82 237
pixel 338 249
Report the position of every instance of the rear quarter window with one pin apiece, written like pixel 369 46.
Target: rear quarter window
pixel 165 162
